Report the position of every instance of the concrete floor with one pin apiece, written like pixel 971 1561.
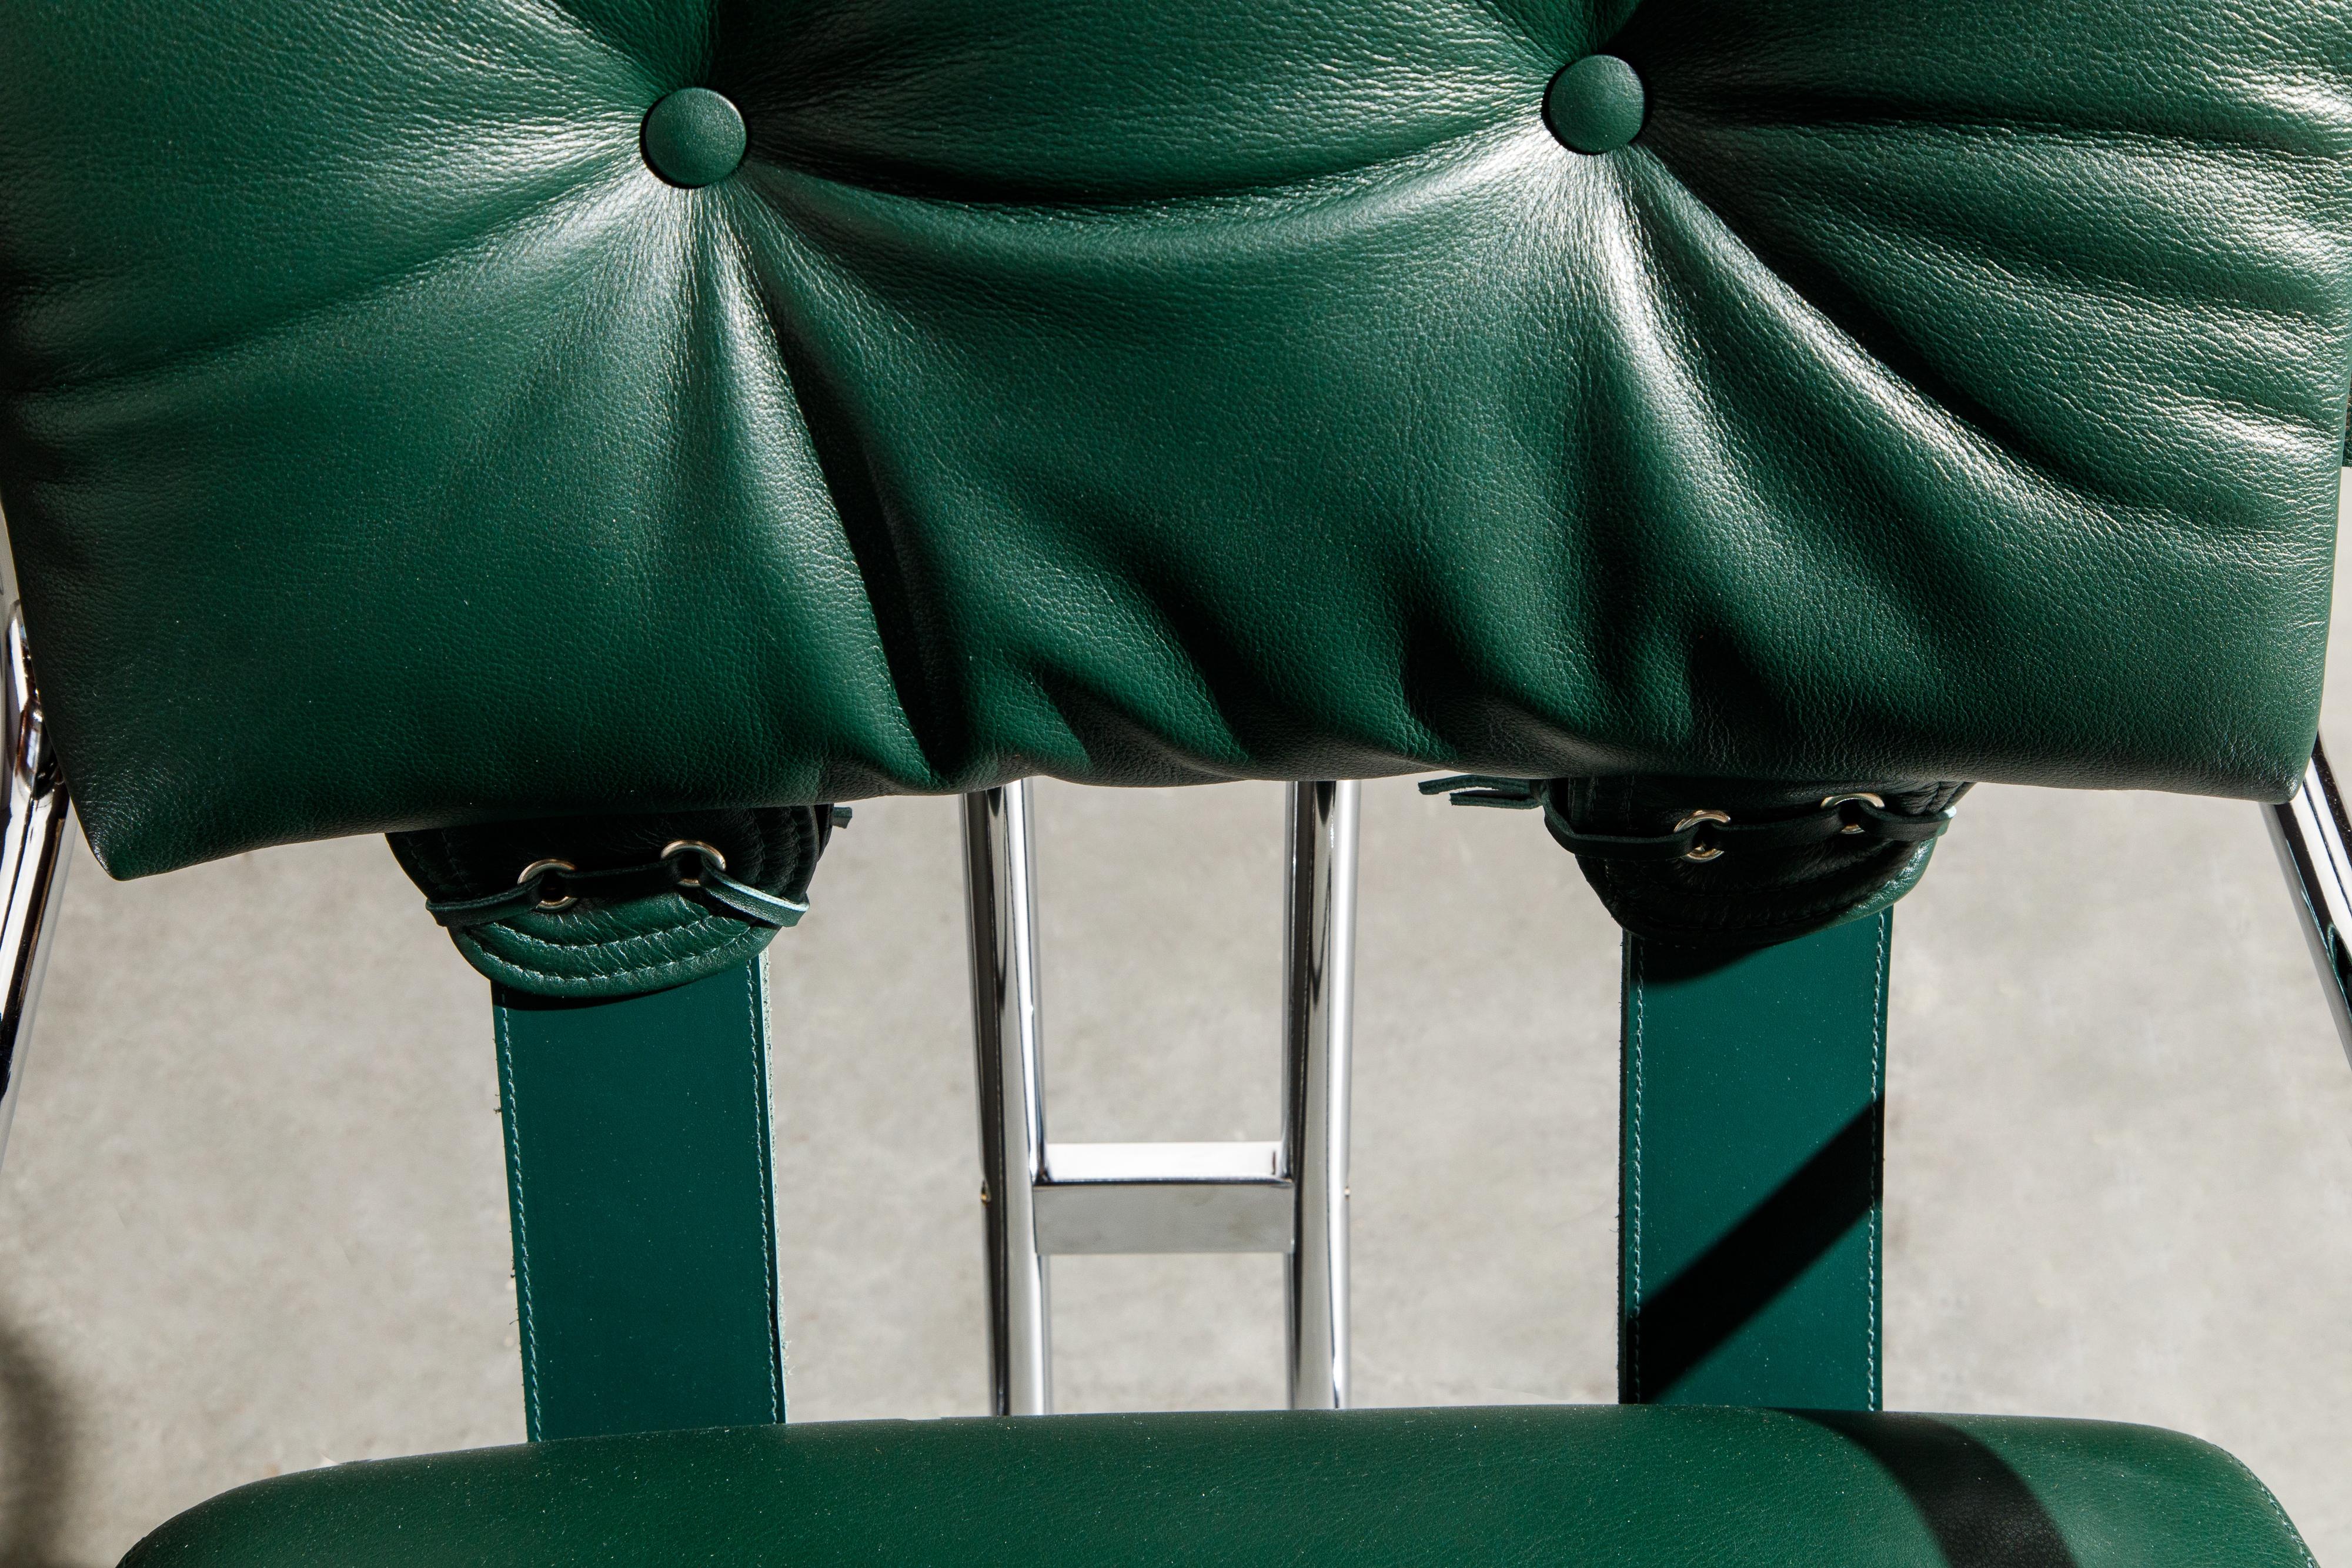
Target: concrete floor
pixel 253 1217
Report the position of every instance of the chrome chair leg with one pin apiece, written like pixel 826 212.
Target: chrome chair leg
pixel 1000 880
pixel 32 869
pixel 2312 834
pixel 1041 1198
pixel 1319 959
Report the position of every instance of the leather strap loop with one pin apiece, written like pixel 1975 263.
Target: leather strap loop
pixel 597 909
pixel 550 885
pixel 1850 817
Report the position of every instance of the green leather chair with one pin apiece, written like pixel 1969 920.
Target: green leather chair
pixel 588 440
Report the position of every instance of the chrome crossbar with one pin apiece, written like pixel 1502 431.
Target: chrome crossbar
pixel 1164 1197
pixel 1043 1198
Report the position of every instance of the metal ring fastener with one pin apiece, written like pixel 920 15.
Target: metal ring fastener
pixel 540 868
pixel 1702 852
pixel 1862 795
pixel 711 857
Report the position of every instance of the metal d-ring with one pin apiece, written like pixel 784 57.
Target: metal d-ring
pixel 540 868
pixel 1698 852
pixel 711 857
pixel 1831 802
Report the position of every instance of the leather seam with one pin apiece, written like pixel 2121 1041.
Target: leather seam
pixel 760 1140
pixel 1634 1185
pixel 634 973
pixel 602 987
pixel 521 1223
pixel 689 926
pixel 2270 1497
pixel 1877 1150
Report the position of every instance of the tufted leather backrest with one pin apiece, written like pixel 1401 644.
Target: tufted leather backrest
pixel 1158 391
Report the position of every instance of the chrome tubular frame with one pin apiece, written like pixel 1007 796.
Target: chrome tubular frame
pixel 1319 957
pixel 1041 1198
pixel 1000 881
pixel 31 866
pixel 2310 833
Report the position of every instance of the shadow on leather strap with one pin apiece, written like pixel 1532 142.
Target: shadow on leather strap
pixel 1702 1307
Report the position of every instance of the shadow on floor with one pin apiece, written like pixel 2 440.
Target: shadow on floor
pixel 36 1455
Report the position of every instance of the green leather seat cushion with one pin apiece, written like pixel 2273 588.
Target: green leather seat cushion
pixel 1153 393
pixel 1521 1488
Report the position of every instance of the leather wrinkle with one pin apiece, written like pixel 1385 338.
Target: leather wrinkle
pixel 1659 356
pixel 1875 339
pixel 1543 50
pixel 1817 120
pixel 870 168
pixel 888 555
pixel 789 367
pixel 1250 708
pixel 600 31
pixel 1948 570
pixel 920 654
pixel 1933 504
pixel 1108 737
pixel 1911 364
pixel 1235 707
pixel 1276 199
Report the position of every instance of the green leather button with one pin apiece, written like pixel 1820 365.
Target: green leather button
pixel 695 137
pixel 1596 105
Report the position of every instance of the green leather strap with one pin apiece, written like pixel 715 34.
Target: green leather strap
pixel 638 1181
pixel 1753 1119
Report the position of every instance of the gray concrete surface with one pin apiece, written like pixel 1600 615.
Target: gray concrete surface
pixel 253 1217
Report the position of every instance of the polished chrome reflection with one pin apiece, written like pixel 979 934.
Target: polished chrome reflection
pixel 1163 1197
pixel 31 866
pixel 1044 1199
pixel 1000 878
pixel 2310 833
pixel 1319 957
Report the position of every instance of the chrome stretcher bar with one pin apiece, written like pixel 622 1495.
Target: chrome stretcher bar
pixel 1041 1198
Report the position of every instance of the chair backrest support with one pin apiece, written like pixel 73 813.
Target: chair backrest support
pixel 640 1194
